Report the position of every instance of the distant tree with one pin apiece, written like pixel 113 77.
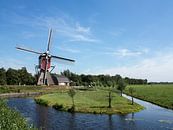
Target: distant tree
pixel 12 77
pixel 121 85
pixel 66 73
pixel 110 99
pixel 72 93
pixel 3 79
pixel 101 80
pixel 117 78
pixel 127 80
pixel 25 77
pixel 131 91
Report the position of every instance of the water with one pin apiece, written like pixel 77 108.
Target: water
pixel 47 118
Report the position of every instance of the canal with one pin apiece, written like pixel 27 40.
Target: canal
pixel 47 118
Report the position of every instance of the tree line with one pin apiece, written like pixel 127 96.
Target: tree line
pixel 16 77
pixel 100 80
pixel 23 77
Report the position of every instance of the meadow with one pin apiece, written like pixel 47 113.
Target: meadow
pixel 160 94
pixel 89 102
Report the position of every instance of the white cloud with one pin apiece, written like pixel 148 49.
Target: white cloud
pixel 158 68
pixel 81 29
pixel 63 25
pixel 67 28
pixel 127 52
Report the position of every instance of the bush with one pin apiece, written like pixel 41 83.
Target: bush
pixel 72 109
pixel 41 102
pixel 58 107
pixel 10 119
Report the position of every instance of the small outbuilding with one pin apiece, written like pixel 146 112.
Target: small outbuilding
pixel 60 80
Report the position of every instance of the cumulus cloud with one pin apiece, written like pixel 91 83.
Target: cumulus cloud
pixel 158 68
pixel 126 52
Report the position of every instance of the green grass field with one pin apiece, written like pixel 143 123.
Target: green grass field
pixel 160 94
pixel 90 102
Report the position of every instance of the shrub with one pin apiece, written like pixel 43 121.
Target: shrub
pixel 72 109
pixel 41 102
pixel 10 119
pixel 58 106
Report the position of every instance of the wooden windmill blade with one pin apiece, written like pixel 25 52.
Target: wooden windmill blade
pixel 28 50
pixel 61 58
pixel 49 40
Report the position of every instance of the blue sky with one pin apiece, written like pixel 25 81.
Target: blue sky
pixel 127 37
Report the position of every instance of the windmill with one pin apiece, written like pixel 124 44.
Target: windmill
pixel 44 77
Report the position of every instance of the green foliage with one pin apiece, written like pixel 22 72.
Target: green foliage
pixel 10 119
pixel 22 77
pixel 135 81
pixel 16 77
pixel 3 79
pixel 41 102
pixel 12 77
pixel 25 77
pixel 121 85
pixel 72 93
pixel 98 80
pixel 58 106
pixel 131 91
pixel 6 89
pixel 72 109
pixel 160 94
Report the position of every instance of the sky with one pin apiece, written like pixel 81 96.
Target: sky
pixel 132 38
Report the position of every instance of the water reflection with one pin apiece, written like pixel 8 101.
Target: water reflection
pixel 42 116
pixel 49 119
pixel 110 122
pixel 72 121
pixel 132 122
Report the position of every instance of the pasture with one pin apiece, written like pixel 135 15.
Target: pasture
pixel 160 94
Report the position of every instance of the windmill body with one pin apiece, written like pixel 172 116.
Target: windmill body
pixel 43 69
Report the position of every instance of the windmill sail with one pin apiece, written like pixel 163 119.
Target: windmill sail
pixel 49 40
pixel 61 58
pixel 28 50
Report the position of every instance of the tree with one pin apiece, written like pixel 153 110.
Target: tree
pixel 12 77
pixel 3 79
pixel 72 93
pixel 110 99
pixel 121 85
pixel 25 77
pixel 131 91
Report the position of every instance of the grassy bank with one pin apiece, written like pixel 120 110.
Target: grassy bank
pixel 89 102
pixel 11 120
pixel 161 94
pixel 29 88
